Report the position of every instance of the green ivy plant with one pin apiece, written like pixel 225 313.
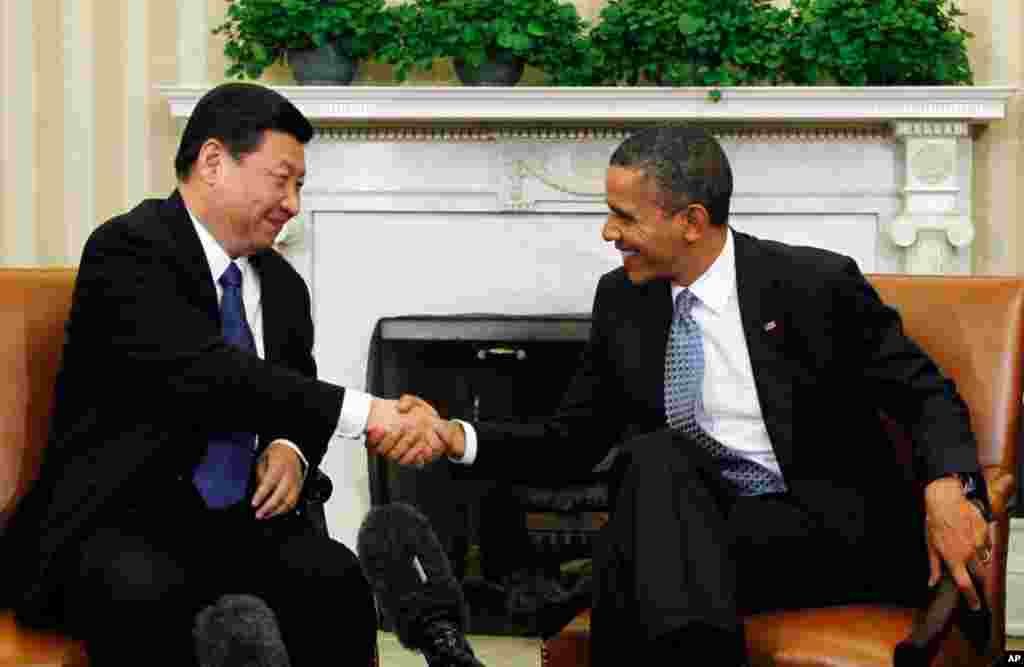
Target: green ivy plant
pixel 670 42
pixel 878 42
pixel 544 33
pixel 261 32
pixel 691 42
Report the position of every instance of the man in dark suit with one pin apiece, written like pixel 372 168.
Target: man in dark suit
pixel 774 484
pixel 189 416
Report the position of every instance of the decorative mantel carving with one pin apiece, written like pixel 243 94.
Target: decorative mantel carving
pixel 931 224
pixel 432 105
pixel 550 145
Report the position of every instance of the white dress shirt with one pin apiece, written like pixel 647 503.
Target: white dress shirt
pixel 355 407
pixel 731 411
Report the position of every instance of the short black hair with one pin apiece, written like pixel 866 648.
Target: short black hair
pixel 238 114
pixel 687 164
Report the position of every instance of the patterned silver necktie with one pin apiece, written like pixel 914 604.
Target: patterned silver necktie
pixel 684 379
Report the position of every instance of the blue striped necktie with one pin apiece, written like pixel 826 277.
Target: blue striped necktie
pixel 222 477
pixel 684 380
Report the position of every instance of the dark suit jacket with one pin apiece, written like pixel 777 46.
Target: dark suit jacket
pixel 146 377
pixel 835 357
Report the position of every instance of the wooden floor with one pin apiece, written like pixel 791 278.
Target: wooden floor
pixel 507 651
pixel 492 651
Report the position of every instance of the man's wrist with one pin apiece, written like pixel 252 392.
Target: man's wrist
pixel 303 463
pixel 354 415
pixel 465 441
pixel 971 487
pixel 975 490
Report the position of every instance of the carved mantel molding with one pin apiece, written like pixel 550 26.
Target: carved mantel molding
pixel 346 104
pixel 931 126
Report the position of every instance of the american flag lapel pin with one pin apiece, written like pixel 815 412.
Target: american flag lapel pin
pixel 770 326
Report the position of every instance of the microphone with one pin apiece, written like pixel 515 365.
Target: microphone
pixel 413 582
pixel 409 572
pixel 239 631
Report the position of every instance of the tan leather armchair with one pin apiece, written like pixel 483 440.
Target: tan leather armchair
pixel 974 329
pixel 34 305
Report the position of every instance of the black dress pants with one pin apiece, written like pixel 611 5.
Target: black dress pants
pixel 682 558
pixel 141 578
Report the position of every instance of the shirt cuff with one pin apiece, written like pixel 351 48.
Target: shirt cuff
pixel 302 457
pixel 468 456
pixel 355 413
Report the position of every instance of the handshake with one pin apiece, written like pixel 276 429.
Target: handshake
pixel 410 432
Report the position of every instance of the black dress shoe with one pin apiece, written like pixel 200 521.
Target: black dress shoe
pixel 444 645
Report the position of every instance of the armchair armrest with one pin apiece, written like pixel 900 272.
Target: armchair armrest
pixel 318 487
pixel 317 490
pixel 1002 487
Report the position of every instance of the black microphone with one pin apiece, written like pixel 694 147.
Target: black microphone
pixel 239 631
pixel 409 572
pixel 414 585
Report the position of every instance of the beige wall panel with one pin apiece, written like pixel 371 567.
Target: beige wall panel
pixel 997 57
pixel 216 61
pixel 50 221
pixel 80 146
pixel 18 153
pixel 163 69
pixel 193 36
pixel 110 117
pixel 978 21
pixel 136 151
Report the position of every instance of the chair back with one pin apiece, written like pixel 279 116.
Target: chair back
pixel 973 327
pixel 34 305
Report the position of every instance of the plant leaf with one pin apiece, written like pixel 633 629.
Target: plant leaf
pixel 690 25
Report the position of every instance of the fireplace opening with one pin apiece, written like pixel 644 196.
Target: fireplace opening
pixel 521 551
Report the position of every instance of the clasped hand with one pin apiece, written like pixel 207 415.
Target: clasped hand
pixel 957 535
pixel 410 432
pixel 279 479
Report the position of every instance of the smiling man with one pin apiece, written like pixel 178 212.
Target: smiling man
pixel 189 416
pixel 740 380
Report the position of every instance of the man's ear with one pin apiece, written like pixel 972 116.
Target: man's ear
pixel 210 161
pixel 695 220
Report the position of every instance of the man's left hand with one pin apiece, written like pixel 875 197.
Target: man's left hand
pixel 957 536
pixel 278 479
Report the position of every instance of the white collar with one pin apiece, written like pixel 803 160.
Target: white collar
pixel 217 258
pixel 715 286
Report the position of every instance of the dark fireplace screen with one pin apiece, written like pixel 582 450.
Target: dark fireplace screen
pixel 522 552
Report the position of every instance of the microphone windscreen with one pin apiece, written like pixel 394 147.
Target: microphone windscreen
pixel 409 571
pixel 239 631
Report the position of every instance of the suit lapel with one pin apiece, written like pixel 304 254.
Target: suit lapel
pixel 763 312
pixel 190 251
pixel 648 338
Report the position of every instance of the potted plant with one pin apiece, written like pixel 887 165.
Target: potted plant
pixel 321 40
pixel 691 42
pixel 883 42
pixel 489 41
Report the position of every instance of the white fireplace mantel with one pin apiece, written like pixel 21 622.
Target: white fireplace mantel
pixel 453 199
pixel 334 104
pixel 930 126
